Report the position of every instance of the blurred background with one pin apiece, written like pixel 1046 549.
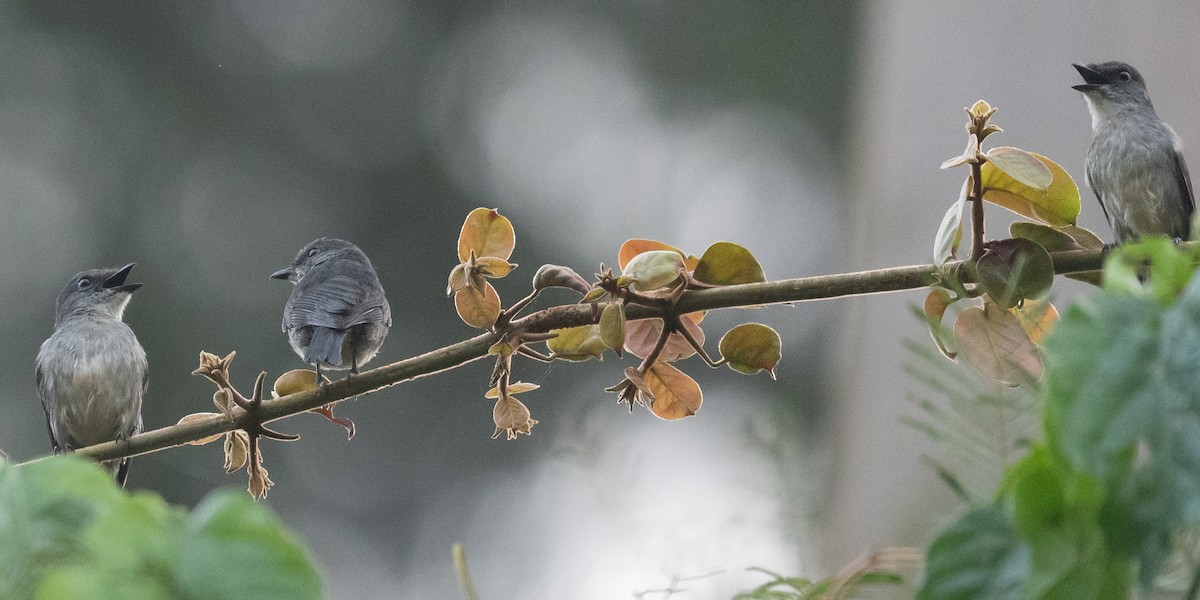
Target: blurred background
pixel 209 141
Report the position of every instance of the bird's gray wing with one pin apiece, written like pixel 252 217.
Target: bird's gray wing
pixel 337 302
pixel 1096 190
pixel 1185 185
pixel 46 395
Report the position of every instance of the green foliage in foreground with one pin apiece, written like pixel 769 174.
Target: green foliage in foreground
pixel 1099 500
pixel 69 532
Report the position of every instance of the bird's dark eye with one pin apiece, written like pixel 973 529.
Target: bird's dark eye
pixel 1124 75
pixel 83 284
pixel 313 252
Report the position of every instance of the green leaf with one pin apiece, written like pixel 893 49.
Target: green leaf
pixel 992 342
pixel 1022 166
pixel 725 263
pixel 978 558
pixel 1056 239
pixel 1057 205
pixel 235 548
pixel 577 344
pixel 1122 404
pixel 945 244
pixel 1164 266
pixel 612 326
pixel 1015 269
pixel 752 347
pixel 654 269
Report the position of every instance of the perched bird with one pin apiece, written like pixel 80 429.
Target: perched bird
pixel 1135 165
pixel 337 315
pixel 92 372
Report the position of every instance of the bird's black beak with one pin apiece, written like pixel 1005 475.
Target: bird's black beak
pixel 287 274
pixel 1093 79
pixel 116 281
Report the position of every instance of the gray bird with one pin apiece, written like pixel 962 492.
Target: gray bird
pixel 337 315
pixel 1135 165
pixel 92 372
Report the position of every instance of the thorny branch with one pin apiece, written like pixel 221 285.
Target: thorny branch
pixel 472 349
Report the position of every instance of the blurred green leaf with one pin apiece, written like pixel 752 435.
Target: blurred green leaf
pixel 1122 404
pixel 235 548
pixel 69 532
pixel 725 263
pixel 1163 264
pixel 1057 205
pixel 978 558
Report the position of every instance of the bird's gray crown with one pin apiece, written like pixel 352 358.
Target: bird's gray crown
pixel 102 292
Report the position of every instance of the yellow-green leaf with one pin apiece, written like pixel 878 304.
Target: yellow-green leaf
pixel 675 394
pixel 487 233
pixel 576 344
pixel 752 347
pixel 479 310
pixel 1057 205
pixel 612 326
pixel 993 343
pixel 1022 166
pixel 725 263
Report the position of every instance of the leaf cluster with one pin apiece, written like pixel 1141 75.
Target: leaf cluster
pixel 1099 502
pixel 69 532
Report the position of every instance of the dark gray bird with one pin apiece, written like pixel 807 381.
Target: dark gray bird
pixel 1135 164
pixel 337 315
pixel 92 372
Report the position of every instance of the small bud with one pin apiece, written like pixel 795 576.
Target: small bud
pixel 559 276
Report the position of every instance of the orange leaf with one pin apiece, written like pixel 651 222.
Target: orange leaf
pixel 675 394
pixel 476 309
pixel 487 233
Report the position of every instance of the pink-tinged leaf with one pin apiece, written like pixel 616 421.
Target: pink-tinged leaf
pixel 992 341
pixel 643 334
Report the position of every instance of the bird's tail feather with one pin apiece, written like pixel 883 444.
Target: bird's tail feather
pixel 325 347
pixel 120 468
